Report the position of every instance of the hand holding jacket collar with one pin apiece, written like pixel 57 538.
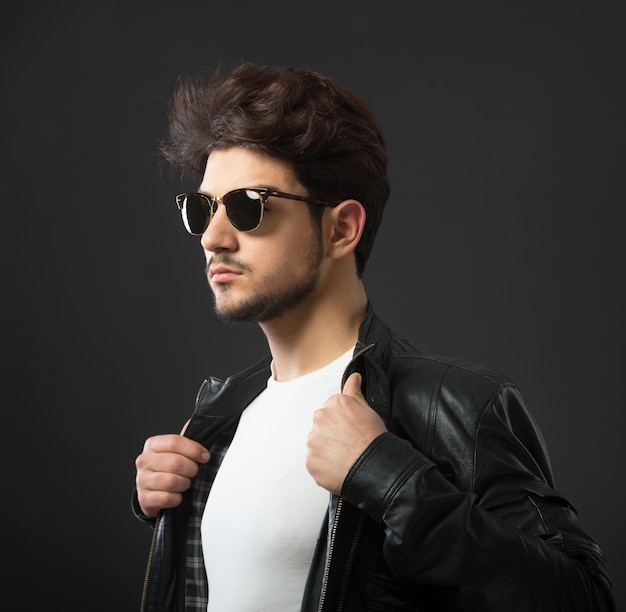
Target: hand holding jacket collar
pixel 342 429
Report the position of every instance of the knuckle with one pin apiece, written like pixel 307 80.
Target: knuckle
pixel 310 439
pixel 140 480
pixel 317 415
pixel 151 443
pixel 175 464
pixel 142 461
pixel 165 499
pixel 173 483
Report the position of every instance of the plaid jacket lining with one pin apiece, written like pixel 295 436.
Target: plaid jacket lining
pixel 196 584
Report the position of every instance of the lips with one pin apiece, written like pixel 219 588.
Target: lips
pixel 222 274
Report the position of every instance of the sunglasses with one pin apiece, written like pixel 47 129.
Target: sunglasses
pixel 244 207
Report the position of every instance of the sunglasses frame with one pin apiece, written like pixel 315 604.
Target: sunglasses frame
pixel 264 193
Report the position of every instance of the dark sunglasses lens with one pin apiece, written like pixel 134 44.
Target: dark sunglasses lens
pixel 195 212
pixel 244 209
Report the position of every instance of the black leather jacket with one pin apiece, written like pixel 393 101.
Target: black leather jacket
pixel 452 509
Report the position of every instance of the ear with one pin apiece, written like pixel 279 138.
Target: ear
pixel 347 221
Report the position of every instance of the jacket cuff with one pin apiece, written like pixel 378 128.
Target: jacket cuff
pixel 380 471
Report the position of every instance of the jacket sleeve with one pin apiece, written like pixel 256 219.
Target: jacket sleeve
pixel 511 542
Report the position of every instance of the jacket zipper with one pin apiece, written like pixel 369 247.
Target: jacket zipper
pixel 356 538
pixel 355 357
pixel 331 546
pixel 205 382
pixel 359 527
pixel 146 580
pixel 343 591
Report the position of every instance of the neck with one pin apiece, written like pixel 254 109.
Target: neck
pixel 312 335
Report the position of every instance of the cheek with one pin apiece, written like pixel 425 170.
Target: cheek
pixel 300 255
pixel 288 252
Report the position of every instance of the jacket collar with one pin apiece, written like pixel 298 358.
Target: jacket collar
pixel 228 398
pixel 369 359
pixel 373 331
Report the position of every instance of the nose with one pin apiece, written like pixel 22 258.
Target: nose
pixel 220 235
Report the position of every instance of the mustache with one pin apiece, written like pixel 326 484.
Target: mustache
pixel 227 260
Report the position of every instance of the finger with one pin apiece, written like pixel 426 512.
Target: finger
pixel 172 443
pixel 174 463
pixel 152 502
pixel 352 386
pixel 171 483
pixel 168 463
pixel 148 481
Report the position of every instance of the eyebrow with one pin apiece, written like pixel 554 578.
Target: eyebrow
pixel 262 186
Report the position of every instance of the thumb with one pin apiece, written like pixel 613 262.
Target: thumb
pixel 184 429
pixel 352 386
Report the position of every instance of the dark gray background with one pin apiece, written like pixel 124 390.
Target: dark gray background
pixel 502 242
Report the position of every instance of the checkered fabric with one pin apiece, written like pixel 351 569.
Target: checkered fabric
pixel 196 584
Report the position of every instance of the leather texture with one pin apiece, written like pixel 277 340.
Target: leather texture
pixel 453 509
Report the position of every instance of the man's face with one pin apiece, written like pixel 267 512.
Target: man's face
pixel 262 274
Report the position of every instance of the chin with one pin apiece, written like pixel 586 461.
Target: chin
pixel 236 313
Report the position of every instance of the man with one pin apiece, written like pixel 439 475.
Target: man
pixel 351 469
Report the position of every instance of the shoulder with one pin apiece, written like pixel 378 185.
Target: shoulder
pixel 460 413
pixel 419 365
pixel 407 362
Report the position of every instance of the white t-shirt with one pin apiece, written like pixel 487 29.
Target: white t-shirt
pixel 265 511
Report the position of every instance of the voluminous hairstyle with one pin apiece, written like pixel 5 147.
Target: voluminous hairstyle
pixel 317 126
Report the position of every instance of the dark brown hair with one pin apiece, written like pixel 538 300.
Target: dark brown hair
pixel 321 129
